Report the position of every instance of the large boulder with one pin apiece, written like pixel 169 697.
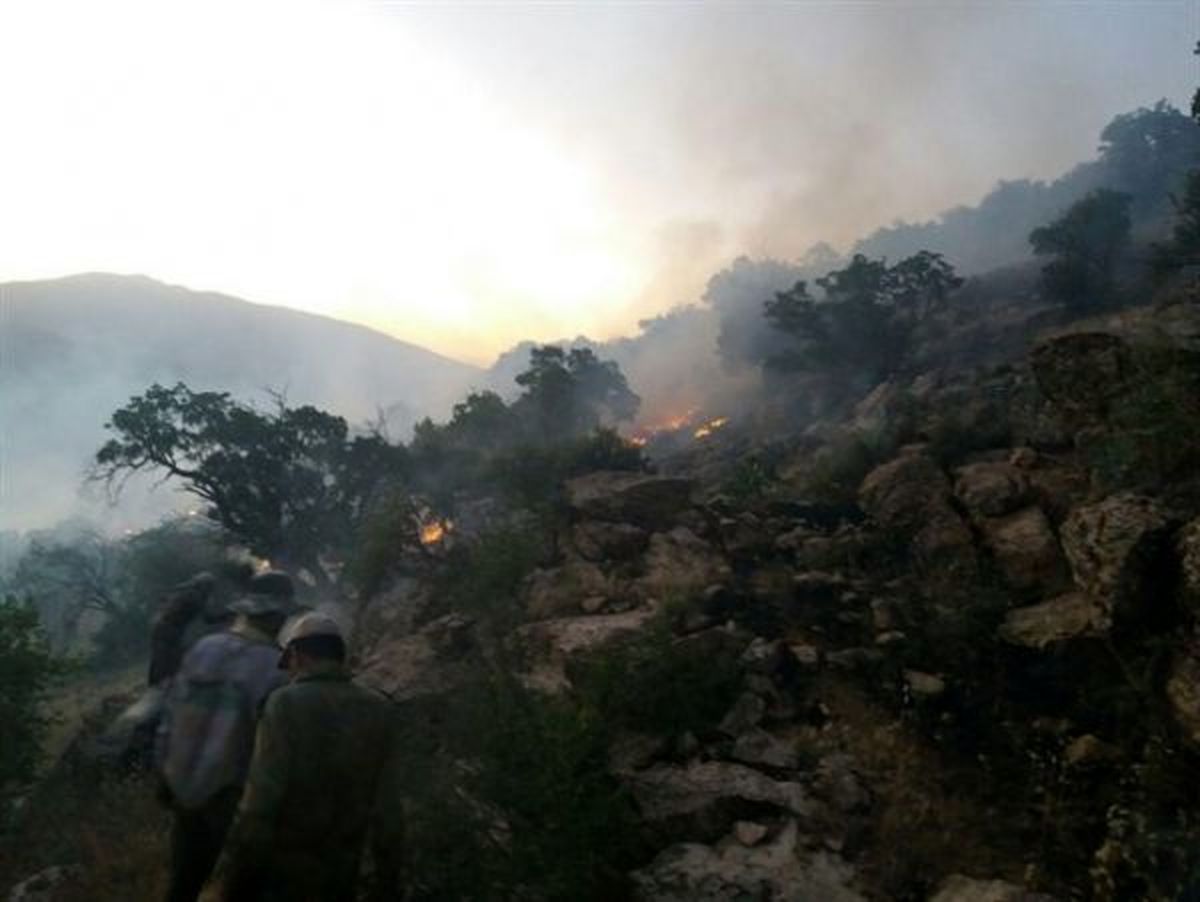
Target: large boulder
pixel 958 888
pixel 1026 550
pixel 703 799
pixel 599 540
pixel 779 869
pixel 991 488
pixel 1114 545
pixel 1071 616
pixel 549 645
pixel 1183 691
pixel 1082 374
pixel 680 563
pixel 561 591
pixel 432 661
pixel 1187 550
pixel 625 497
pixel 911 494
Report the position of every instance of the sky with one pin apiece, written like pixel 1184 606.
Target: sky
pixel 464 176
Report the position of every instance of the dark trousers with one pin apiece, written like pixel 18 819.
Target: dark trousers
pixel 197 836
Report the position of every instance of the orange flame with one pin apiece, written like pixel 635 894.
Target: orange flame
pixel 434 531
pixel 707 429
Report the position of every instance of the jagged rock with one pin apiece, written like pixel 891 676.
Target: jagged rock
pixel 1082 374
pixel 429 662
pixel 749 833
pixel 395 611
pixel 1088 750
pixel 680 563
pixel 1183 690
pixel 924 684
pixel 836 782
pixel 747 712
pixel 597 540
pixel 1026 550
pixel 991 489
pixel 770 658
pixel 911 494
pixel 757 747
pixel 776 871
pixel 631 752
pixel 1112 545
pixel 42 886
pixel 807 656
pixel 550 644
pixel 624 497
pixel 851 659
pixel 702 799
pixel 1069 616
pixel 957 888
pixel 1187 548
pixel 560 590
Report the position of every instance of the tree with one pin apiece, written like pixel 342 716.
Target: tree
pixel 569 394
pixel 1085 243
pixel 27 668
pixel 863 329
pixel 290 484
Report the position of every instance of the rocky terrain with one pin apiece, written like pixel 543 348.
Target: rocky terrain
pixel 945 649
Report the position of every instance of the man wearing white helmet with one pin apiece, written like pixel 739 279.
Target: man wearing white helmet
pixel 320 756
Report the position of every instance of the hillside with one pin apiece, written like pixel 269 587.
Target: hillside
pixel 74 349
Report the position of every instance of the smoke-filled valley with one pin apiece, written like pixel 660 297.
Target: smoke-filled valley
pixel 870 571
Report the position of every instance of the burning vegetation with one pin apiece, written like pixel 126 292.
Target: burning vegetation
pixel 690 421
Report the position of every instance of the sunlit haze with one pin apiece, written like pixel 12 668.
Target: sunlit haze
pixel 466 176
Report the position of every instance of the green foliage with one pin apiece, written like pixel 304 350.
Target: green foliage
pixel 864 328
pixel 1142 445
pixel 514 801
pixel 79 575
pixel 837 471
pixel 1183 247
pixel 291 484
pixel 483 577
pixel 533 476
pixel 570 393
pixel 1085 244
pixel 656 684
pixel 27 668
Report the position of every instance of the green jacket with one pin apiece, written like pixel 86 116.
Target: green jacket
pixel 314 789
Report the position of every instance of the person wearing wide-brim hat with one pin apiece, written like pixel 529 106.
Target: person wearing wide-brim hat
pixel 207 734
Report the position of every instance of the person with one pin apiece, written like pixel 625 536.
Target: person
pixel 320 767
pixel 183 604
pixel 207 733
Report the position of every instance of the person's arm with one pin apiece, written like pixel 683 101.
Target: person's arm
pixel 258 812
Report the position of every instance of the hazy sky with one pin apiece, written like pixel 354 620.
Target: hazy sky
pixel 463 176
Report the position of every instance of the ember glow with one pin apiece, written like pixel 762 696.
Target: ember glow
pixel 707 429
pixel 434 531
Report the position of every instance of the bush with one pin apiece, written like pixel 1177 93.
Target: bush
pixel 513 800
pixel 655 684
pixel 27 668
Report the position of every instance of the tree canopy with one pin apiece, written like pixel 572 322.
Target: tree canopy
pixel 1085 243
pixel 863 328
pixel 570 393
pixel 290 483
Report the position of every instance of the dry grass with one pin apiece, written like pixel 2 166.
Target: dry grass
pixel 926 823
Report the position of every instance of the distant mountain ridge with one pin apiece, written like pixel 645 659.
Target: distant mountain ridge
pixel 74 349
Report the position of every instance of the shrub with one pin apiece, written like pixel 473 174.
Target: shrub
pixel 27 668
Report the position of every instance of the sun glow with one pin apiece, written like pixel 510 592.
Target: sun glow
pixel 308 153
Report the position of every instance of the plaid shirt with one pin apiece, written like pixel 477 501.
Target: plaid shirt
pixel 212 708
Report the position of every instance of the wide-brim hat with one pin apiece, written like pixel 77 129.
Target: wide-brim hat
pixel 257 604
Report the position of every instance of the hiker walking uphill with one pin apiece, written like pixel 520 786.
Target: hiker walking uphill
pixel 320 760
pixel 207 734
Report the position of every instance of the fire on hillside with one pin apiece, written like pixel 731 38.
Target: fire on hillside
pixel 691 422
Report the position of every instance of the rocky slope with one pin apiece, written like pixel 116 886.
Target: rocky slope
pixel 947 650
